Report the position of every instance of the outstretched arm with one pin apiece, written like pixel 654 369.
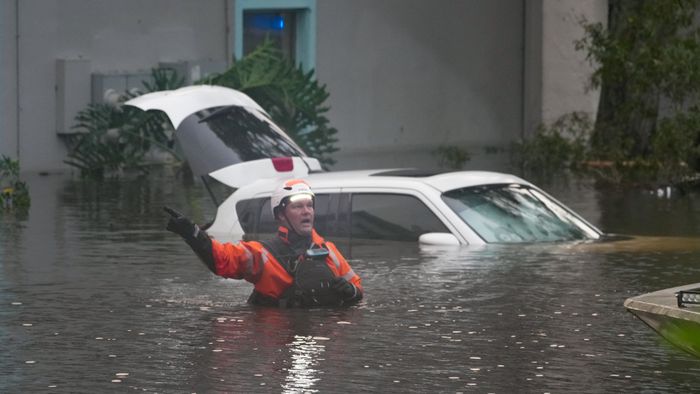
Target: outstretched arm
pixel 197 238
pixel 236 261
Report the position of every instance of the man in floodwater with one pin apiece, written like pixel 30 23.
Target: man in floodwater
pixel 298 268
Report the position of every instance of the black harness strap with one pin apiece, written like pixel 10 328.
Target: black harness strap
pixel 283 253
pixel 289 259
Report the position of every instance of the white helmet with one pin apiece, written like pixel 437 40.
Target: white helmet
pixel 289 188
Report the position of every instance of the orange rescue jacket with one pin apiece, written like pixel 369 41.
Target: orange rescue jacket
pixel 250 260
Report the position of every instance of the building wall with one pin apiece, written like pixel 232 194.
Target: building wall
pixel 8 87
pixel 532 84
pixel 116 36
pixel 406 76
pixel 565 71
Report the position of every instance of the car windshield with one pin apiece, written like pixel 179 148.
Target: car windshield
pixel 247 135
pixel 222 136
pixel 516 213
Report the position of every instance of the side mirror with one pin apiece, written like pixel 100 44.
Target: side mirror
pixel 438 239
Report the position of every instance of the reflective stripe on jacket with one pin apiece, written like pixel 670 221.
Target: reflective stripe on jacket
pixel 251 261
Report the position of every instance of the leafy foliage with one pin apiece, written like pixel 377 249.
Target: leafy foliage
pixel 292 97
pixel 116 138
pixel 164 79
pixel 452 157
pixel 676 145
pixel 648 58
pixel 13 191
pixel 559 146
pixel 650 46
pixel 113 138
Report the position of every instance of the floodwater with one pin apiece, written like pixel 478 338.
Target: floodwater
pixel 96 297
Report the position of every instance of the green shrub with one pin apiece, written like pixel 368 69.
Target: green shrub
pixel 14 193
pixel 294 99
pixel 647 58
pixel 452 157
pixel 112 138
pixel 559 146
pixel 676 145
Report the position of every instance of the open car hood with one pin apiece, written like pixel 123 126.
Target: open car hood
pixel 228 136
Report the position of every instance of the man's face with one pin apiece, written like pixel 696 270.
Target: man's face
pixel 299 214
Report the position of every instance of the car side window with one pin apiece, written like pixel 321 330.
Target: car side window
pixel 248 212
pixel 392 217
pixel 267 223
pixel 326 214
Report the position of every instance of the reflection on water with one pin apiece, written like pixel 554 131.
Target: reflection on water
pixel 95 296
pixel 305 354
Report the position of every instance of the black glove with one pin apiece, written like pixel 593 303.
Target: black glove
pixel 198 239
pixel 181 225
pixel 346 289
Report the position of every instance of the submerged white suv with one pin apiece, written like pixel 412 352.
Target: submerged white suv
pixel 229 138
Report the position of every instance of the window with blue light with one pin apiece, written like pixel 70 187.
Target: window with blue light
pixel 277 26
pixel 290 24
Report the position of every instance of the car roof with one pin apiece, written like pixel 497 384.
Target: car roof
pixel 399 178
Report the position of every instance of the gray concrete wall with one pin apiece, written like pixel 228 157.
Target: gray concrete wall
pixel 116 36
pixel 532 85
pixel 406 76
pixel 565 71
pixel 8 86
